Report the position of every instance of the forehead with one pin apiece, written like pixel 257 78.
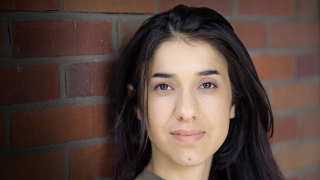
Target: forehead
pixel 178 56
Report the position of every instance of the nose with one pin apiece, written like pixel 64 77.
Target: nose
pixel 186 106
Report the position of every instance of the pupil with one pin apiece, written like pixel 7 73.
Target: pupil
pixel 163 86
pixel 206 85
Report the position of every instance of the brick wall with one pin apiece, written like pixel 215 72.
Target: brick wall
pixel 55 60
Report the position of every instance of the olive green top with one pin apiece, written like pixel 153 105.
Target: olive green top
pixel 147 175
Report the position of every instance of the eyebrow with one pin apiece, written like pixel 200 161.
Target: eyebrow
pixel 208 72
pixel 162 75
pixel 202 73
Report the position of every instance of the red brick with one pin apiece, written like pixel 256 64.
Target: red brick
pixel 112 6
pixel 36 167
pixel 222 8
pixel 29 5
pixel 311 124
pixel 309 64
pixel 295 34
pixel 266 7
pixel 312 176
pixel 59 124
pixel 91 162
pixel 284 129
pixel 126 30
pixel 21 84
pixel 2 132
pixel 298 157
pixel 252 34
pixel 88 79
pixel 1 48
pixel 53 38
pixel 271 67
pixel 308 7
pixel 296 96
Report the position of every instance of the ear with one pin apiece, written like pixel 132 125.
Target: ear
pixel 233 111
pixel 131 92
pixel 138 113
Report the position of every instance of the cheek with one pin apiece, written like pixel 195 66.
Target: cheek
pixel 218 104
pixel 158 107
pixel 159 112
pixel 216 110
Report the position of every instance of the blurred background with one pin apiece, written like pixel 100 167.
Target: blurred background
pixel 55 62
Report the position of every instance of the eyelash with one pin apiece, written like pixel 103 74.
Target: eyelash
pixel 212 85
pixel 160 84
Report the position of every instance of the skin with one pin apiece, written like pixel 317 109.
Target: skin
pixel 188 89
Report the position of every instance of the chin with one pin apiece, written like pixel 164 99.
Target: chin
pixel 191 160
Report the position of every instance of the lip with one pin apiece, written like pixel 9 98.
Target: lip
pixel 188 135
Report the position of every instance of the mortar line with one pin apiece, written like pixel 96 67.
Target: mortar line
pixel 296 112
pixel 105 16
pixel 282 50
pixel 156 6
pixel 270 18
pixel 62 102
pixel 1 35
pixel 7 130
pixel 62 74
pixel 295 66
pixel 115 38
pixel 234 4
pixel 268 34
pixel 66 153
pixel 318 15
pixel 61 6
pixel 6 50
pixel 289 81
pixel 294 143
pixel 296 8
pixel 7 61
pixel 302 172
pixel 299 126
pixel 66 16
pixel 13 153
pixel 270 96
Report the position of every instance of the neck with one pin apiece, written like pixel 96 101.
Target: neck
pixel 167 169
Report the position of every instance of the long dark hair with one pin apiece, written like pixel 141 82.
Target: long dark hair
pixel 246 152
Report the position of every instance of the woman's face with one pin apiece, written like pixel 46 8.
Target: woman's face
pixel 189 102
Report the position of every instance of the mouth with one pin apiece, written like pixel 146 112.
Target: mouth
pixel 188 135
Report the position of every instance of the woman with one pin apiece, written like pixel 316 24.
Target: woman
pixel 188 103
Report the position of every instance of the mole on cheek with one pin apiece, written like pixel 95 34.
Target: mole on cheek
pixel 189 159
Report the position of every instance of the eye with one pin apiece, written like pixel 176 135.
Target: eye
pixel 163 87
pixel 208 85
